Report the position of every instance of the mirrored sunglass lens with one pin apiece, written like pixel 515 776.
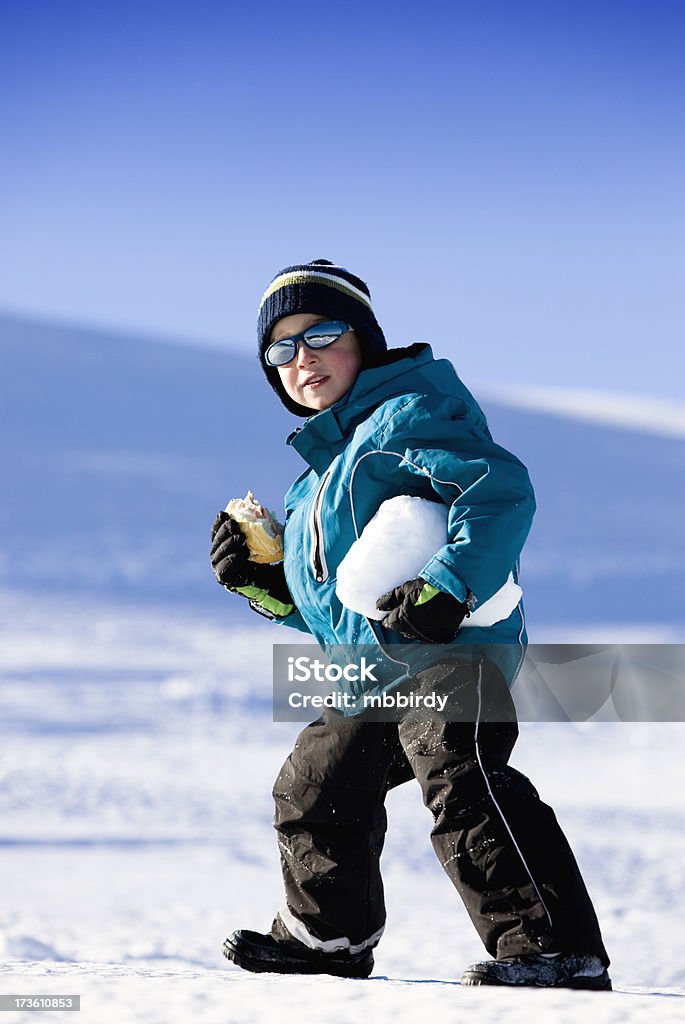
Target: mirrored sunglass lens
pixel 324 334
pixel 280 353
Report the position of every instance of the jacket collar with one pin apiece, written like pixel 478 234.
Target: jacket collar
pixel 324 435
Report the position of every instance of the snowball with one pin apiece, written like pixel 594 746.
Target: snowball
pixel 394 547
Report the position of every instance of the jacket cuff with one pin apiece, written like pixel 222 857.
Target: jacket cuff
pixel 270 605
pixel 442 576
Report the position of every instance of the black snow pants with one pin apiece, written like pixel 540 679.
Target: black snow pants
pixel 500 845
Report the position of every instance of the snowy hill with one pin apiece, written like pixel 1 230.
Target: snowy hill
pixel 120 450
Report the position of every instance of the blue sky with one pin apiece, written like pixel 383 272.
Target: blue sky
pixel 507 176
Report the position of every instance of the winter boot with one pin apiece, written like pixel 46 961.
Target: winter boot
pixel 546 970
pixel 256 952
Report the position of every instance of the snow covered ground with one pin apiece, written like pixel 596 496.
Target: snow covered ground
pixel 137 754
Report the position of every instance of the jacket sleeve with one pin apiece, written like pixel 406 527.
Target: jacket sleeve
pixel 488 491
pixel 295 621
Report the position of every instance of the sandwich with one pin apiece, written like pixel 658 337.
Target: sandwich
pixel 263 533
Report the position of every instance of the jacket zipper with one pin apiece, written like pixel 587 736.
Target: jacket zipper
pixel 317 556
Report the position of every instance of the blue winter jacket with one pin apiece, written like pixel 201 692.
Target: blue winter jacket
pixel 409 427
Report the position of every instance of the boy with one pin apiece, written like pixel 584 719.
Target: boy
pixel 381 423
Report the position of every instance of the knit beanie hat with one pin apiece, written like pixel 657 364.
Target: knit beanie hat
pixel 318 287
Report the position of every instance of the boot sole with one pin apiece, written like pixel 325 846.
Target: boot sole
pixel 252 963
pixel 600 983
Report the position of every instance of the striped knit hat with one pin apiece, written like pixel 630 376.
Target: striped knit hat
pixel 329 290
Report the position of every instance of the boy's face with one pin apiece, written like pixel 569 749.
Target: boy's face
pixel 317 378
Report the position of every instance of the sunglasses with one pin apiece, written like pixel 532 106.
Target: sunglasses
pixel 319 336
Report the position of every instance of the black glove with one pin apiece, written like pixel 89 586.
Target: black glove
pixel 229 554
pixel 418 609
pixel 264 585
